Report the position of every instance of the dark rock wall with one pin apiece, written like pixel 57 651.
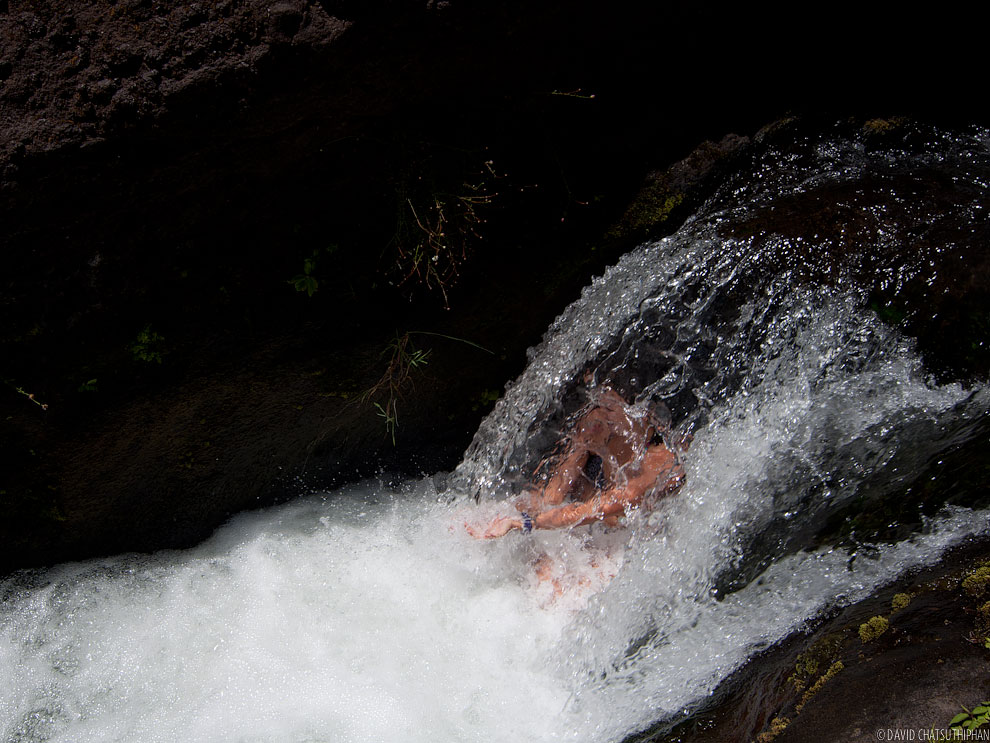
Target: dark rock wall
pixel 167 169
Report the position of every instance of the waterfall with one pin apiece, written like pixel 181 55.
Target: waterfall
pixel 370 614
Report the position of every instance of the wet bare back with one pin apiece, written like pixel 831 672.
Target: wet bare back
pixel 608 431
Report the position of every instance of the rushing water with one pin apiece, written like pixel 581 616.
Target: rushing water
pixel 370 614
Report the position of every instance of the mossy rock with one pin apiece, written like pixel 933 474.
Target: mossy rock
pixel 823 653
pixel 900 601
pixel 667 196
pixel 830 674
pixel 777 726
pixel 872 629
pixel 975 584
pixel 653 206
pixel 884 126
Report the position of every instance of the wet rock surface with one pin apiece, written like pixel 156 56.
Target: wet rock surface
pixel 174 175
pixel 840 682
pixel 168 169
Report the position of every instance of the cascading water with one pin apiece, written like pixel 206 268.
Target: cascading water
pixel 370 614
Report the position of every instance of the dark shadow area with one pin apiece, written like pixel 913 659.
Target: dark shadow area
pixel 217 220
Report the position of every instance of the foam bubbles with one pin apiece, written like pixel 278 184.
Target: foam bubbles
pixel 362 618
pixel 370 614
pixel 373 616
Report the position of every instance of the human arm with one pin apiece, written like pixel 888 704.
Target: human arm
pixel 614 501
pixel 499 527
pixel 599 508
pixel 659 470
pixel 610 503
pixel 567 472
pixel 659 463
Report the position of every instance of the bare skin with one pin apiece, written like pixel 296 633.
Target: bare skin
pixel 630 467
pixel 658 465
pixel 608 431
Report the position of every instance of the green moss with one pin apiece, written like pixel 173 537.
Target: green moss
pixel 882 126
pixel 30 505
pixel 822 653
pixel 661 211
pixel 777 726
pixel 148 346
pixel 900 601
pixel 825 678
pixel 651 208
pixel 806 667
pixel 485 399
pixel 889 311
pixel 872 629
pixel 975 584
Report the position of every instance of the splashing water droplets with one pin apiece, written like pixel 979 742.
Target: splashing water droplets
pixel 372 615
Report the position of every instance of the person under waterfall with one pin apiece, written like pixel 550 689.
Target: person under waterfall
pixel 611 459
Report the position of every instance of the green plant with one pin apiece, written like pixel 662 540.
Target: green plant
pixel 306 281
pixel 391 415
pixel 89 386
pixel 485 399
pixel 971 719
pixel 435 229
pixel 403 360
pixel 29 395
pixel 889 311
pixel 147 346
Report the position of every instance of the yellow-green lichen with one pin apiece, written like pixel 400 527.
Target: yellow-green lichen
pixel 900 601
pixel 777 726
pixel 823 679
pixel 975 584
pixel 806 666
pixel 817 656
pixel 882 126
pixel 982 634
pixel 652 206
pixel 872 629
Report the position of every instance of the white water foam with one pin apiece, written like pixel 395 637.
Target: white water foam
pixel 346 621
pixel 372 615
pixel 659 639
pixel 361 618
